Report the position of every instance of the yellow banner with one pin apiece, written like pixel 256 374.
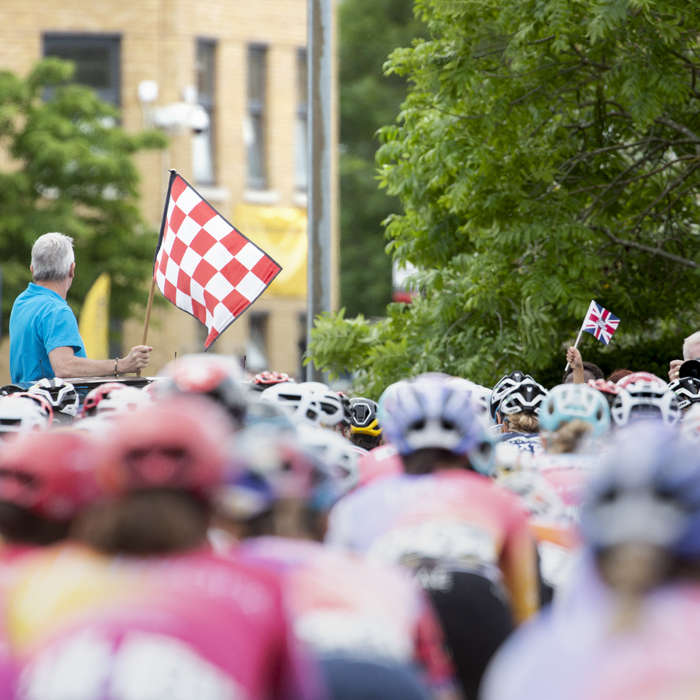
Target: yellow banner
pixel 94 319
pixel 281 233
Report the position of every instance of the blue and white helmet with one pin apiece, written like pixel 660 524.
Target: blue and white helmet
pixel 647 492
pixel 431 412
pixel 568 402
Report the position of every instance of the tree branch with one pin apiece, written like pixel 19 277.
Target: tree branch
pixel 648 249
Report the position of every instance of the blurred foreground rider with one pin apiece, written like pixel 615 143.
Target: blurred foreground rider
pixel 44 336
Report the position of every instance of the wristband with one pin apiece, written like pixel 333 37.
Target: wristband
pixel 116 359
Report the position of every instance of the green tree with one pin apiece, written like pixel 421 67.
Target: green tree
pixel 369 31
pixel 71 171
pixel 548 153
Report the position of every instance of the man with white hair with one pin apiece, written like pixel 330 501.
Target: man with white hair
pixel 44 336
pixel 691 351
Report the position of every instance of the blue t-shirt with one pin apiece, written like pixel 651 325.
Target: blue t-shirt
pixel 40 322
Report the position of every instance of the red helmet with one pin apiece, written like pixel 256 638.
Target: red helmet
pixel 604 387
pixel 96 395
pixel 261 381
pixel 181 445
pixel 38 399
pixel 640 377
pixel 216 377
pixel 52 474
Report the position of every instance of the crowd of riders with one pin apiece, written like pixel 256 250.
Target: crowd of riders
pixel 217 536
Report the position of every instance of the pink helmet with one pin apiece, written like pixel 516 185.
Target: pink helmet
pixel 96 395
pixel 640 377
pixel 181 445
pixel 52 474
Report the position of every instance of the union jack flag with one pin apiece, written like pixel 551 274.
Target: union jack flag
pixel 600 322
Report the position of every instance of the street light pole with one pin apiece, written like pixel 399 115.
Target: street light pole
pixel 321 165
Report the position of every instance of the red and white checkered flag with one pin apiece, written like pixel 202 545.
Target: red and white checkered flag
pixel 204 265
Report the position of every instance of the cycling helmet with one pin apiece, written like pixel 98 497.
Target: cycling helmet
pixel 181 444
pixel 214 376
pixel 269 414
pixel 527 396
pixel 640 377
pixel 8 389
pixel 503 386
pixel 336 454
pixel 39 400
pixel 127 399
pixel 480 395
pixel 96 395
pixel 332 407
pixel 364 417
pixel 346 420
pixel 608 389
pixel 261 381
pixel 20 415
pixel 687 389
pixel 299 400
pixel 643 399
pixel 647 492
pixel 51 474
pixel 568 402
pixel 61 395
pixel 428 412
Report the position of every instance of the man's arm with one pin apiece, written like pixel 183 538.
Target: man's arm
pixel 65 364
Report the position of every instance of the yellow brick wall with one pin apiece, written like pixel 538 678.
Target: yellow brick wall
pixel 158 39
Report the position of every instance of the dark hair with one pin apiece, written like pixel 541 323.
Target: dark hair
pixel 20 526
pixel 366 442
pixel 157 521
pixel 587 367
pixel 424 461
pixel 619 374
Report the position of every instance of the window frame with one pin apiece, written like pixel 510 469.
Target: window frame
pixel 91 40
pixel 208 102
pixel 258 107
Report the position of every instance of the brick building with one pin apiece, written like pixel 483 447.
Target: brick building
pixel 244 64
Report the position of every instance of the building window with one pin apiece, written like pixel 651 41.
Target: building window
pixel 96 59
pixel 256 349
pixel 255 126
pixel 203 160
pixel 301 133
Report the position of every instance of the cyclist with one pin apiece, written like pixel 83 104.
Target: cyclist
pixel 369 627
pixel 464 539
pixel 144 609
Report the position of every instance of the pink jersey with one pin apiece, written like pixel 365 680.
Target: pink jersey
pixel 82 625
pixel 455 517
pixel 343 606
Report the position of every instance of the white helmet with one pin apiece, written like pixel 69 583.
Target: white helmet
pixel 332 410
pixel 21 415
pixel 645 399
pixel 336 453
pixel 480 395
pixel 298 400
pixel 60 394
pixel 118 402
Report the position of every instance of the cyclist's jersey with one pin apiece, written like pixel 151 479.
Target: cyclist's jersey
pixel 344 607
pixel 453 520
pixel 380 462
pixel 525 442
pixel 83 625
pixel 586 657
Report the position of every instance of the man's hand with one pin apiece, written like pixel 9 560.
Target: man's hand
pixel 673 372
pixel 136 360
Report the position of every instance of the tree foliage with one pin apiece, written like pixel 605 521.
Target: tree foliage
pixel 369 31
pixel 70 170
pixel 548 153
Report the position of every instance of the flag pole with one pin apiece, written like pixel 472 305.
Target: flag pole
pixel 148 315
pixel 566 369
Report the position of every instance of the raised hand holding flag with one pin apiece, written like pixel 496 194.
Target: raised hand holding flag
pixel 204 265
pixel 600 323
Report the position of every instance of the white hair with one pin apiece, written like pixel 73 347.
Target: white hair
pixel 688 343
pixel 52 256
